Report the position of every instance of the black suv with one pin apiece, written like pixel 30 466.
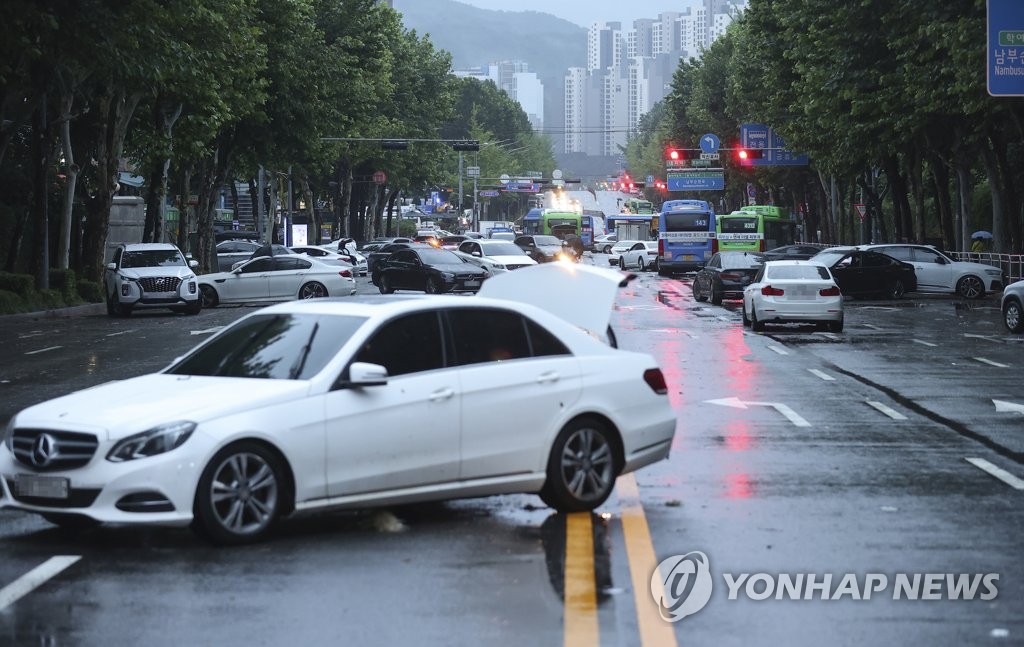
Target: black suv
pixel 541 248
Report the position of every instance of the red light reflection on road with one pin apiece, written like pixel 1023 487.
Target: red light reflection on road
pixel 738 486
pixel 737 436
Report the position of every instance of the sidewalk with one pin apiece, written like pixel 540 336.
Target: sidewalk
pixel 86 310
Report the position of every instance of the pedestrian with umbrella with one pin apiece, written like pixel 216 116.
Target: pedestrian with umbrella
pixel 980 239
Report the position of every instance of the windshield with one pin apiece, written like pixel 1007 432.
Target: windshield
pixel 153 258
pixel 439 257
pixel 828 257
pixel 502 249
pixel 739 225
pixel 740 260
pixel 546 240
pixel 687 221
pixel 275 347
pixel 797 272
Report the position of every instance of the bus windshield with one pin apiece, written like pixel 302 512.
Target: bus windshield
pixel 686 221
pixel 734 225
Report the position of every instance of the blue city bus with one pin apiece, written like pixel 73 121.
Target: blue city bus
pixel 592 226
pixel 686 236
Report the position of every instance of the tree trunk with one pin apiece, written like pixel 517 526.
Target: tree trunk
pixel 999 236
pixel 184 191
pixel 313 218
pixel 1011 200
pixel 392 198
pixel 41 148
pixel 115 110
pixel 213 172
pixel 940 181
pixel 156 200
pixel 71 181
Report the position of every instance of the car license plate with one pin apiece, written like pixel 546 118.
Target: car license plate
pixel 472 284
pixel 44 487
pixel 689 257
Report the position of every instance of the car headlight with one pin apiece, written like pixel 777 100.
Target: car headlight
pixel 157 440
pixel 497 266
pixel 448 276
pixel 8 438
pixel 994 272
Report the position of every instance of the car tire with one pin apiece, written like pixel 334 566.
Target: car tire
pixel 716 296
pixel 208 295
pixel 746 319
pixel 755 325
pixel 582 466
pixel 835 326
pixel 698 295
pixel 896 289
pixel 1012 315
pixel 607 249
pixel 313 290
pixel 71 522
pixel 240 495
pixel 640 265
pixel 970 287
pixel 194 308
pixel 385 285
pixel 431 286
pixel 622 263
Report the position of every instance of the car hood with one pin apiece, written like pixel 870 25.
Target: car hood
pixel 968 266
pixel 143 272
pixel 514 259
pixel 550 249
pixel 135 405
pixel 457 268
pixel 583 295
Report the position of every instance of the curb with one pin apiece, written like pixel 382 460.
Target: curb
pixel 86 310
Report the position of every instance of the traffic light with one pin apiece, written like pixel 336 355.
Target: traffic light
pixel 394 144
pixel 745 156
pixel 466 145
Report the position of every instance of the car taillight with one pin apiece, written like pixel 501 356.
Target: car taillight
pixel 714 245
pixel 656 381
pixel 830 292
pixel 661 247
pixel 770 291
pixel 730 277
pixel 346 274
pixel 761 247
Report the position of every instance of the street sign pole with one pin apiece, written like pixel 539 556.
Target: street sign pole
pixel 460 184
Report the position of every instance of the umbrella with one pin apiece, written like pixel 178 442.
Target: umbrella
pixel 981 234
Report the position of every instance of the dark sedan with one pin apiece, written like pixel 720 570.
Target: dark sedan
pixel 542 249
pixel 725 276
pixel 863 273
pixel 799 252
pixel 434 271
pixel 380 254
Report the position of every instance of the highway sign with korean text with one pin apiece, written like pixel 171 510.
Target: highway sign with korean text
pixel 760 136
pixel 473 171
pixel 695 180
pixel 1005 48
pixel 489 193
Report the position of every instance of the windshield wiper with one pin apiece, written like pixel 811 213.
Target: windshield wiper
pixel 296 370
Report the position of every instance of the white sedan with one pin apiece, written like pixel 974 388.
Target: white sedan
pixel 793 292
pixel 639 254
pixel 495 256
pixel 306 406
pixel 325 253
pixel 277 278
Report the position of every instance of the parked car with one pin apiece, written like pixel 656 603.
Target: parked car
pixel 604 242
pixel 862 273
pixel 799 252
pixel 543 248
pixel 434 271
pixel 452 242
pixel 1013 307
pixel 277 278
pixel 793 292
pixel 268 249
pixel 618 248
pixel 381 254
pixel 725 275
pixel 937 272
pixel 322 393
pixel 495 256
pixel 641 254
pixel 428 239
pixel 354 259
pixel 150 275
pixel 230 252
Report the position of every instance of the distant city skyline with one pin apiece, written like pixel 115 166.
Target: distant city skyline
pixel 586 12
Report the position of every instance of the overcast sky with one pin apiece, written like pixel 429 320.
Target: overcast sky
pixel 587 12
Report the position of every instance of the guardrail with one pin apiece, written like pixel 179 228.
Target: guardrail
pixel 1012 264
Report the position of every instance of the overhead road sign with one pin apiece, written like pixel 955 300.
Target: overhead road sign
pixel 774 151
pixel 1005 48
pixel 712 179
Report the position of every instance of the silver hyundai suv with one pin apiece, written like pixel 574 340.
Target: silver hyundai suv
pixel 937 272
pixel 150 275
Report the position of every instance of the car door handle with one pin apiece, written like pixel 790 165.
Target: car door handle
pixel 549 376
pixel 441 394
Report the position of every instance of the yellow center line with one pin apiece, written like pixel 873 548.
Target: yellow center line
pixel 581 628
pixel 654 632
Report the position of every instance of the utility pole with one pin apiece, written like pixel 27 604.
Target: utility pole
pixel 460 184
pixel 260 211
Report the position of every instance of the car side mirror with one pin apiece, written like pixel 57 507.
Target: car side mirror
pixel 476 253
pixel 361 374
pixel 193 264
pixel 111 266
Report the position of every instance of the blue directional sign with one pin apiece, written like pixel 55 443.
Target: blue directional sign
pixel 695 180
pixel 1006 48
pixel 709 143
pixel 758 136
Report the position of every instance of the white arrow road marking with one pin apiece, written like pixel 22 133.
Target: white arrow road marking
pixel 822 374
pixel 736 403
pixel 924 343
pixel 990 362
pixel 1002 406
pixel 998 472
pixel 43 350
pixel 34 578
pixel 208 331
pixel 892 413
pixel 778 349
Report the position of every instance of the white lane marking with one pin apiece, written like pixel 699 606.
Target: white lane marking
pixel 123 332
pixel 872 326
pixel 892 413
pixel 990 362
pixel 207 331
pixel 34 578
pixel 31 334
pixel 830 335
pixel 998 472
pixel 778 349
pixel 985 337
pixel 43 350
pixel 822 374
pixel 736 403
pixel 924 343
pixel 1002 406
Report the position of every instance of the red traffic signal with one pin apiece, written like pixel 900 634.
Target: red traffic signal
pixel 673 154
pixel 745 155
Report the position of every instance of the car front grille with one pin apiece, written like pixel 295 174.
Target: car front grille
pixel 160 283
pixel 60 450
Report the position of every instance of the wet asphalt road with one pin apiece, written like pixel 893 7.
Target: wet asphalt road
pixel 797 452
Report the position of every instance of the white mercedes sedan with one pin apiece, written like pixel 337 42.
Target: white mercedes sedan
pixel 495 256
pixel 353 403
pixel 277 278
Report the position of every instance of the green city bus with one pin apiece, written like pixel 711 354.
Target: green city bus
pixel 553 222
pixel 756 228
